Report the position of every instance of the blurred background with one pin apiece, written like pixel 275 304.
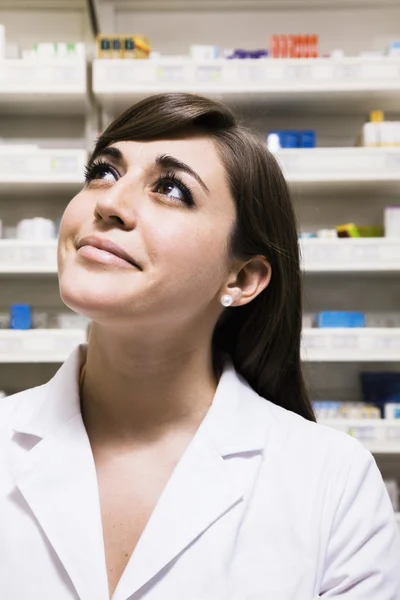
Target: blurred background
pixel 319 82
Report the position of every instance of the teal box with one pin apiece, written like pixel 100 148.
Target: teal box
pixel 340 319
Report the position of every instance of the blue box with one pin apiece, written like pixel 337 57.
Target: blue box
pixel 380 388
pixel 308 139
pixel 20 316
pixel 289 139
pixel 340 319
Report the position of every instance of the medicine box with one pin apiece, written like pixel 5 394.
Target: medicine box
pixel 340 319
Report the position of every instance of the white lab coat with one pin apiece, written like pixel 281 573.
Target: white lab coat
pixel 263 505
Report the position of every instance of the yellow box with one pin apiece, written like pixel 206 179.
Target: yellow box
pixel 122 46
pixel 135 46
pixel 109 46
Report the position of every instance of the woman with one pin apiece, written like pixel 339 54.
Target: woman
pixel 177 457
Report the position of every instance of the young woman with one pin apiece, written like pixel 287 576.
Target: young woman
pixel 176 456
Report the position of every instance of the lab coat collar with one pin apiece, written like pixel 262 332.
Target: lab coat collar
pixel 229 421
pixel 57 401
pixel 57 478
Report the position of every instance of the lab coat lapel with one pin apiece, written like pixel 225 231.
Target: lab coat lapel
pixel 57 478
pixel 202 489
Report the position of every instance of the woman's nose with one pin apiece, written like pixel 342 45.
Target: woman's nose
pixel 115 207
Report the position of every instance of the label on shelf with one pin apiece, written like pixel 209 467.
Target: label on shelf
pixel 171 73
pixel 309 74
pixel 347 72
pixel 383 71
pixel 373 433
pixel 298 72
pixel 39 345
pixel 363 254
pixel 36 76
pixel 252 72
pixel 38 164
pixel 351 344
pixel 392 160
pixel 17 256
pixel 208 73
pixel 336 163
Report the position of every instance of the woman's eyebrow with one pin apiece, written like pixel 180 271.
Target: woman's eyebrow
pixel 111 152
pixel 165 161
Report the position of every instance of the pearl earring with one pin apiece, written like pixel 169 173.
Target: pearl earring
pixel 226 300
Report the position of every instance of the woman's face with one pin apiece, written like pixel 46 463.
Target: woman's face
pixel 167 207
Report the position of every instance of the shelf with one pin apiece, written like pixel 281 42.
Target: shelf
pixel 380 436
pixel 28 257
pixel 229 5
pixel 366 255
pixel 341 167
pixel 351 345
pixel 323 84
pixel 47 88
pixel 375 255
pixel 47 170
pixel 39 345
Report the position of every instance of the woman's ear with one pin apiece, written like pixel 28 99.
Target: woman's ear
pixel 249 280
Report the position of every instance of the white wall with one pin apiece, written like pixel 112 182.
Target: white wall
pixel 349 29
pixel 26 28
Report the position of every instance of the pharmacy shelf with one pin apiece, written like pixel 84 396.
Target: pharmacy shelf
pixel 22 257
pixel 374 255
pixel 332 84
pixel 23 168
pixel 351 345
pixel 48 88
pixel 380 436
pixel 39 345
pixel 329 168
pixel 365 255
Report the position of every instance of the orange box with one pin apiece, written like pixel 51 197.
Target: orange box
pixel 283 46
pixel 297 46
pixel 304 46
pixel 274 46
pixel 292 46
pixel 315 46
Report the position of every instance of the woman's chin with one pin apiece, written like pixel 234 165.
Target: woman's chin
pixel 92 301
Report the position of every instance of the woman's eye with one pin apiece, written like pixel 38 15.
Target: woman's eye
pixel 169 188
pixel 107 175
pixel 172 188
pixel 101 172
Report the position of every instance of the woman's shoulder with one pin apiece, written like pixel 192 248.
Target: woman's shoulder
pixel 297 439
pixel 315 460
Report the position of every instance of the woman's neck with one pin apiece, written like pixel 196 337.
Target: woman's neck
pixel 142 389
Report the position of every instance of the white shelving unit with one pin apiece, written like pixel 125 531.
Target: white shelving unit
pixel 311 83
pixel 351 255
pixel 351 345
pixel 43 88
pixel 21 257
pixel 29 169
pixel 342 167
pixel 47 119
pixel 39 345
pixel 367 255
pixel 380 436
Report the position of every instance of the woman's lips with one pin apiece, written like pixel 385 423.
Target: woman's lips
pixel 103 256
pixel 105 251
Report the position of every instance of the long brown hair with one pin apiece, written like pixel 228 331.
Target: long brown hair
pixel 262 337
